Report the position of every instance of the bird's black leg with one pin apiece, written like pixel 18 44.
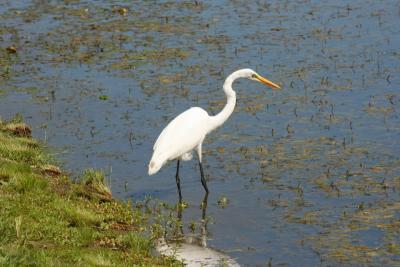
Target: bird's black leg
pixel 203 180
pixel 178 182
pixel 204 206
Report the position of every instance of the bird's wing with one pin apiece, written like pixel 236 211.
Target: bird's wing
pixel 166 130
pixel 184 132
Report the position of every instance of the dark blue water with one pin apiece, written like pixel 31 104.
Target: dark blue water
pixel 290 162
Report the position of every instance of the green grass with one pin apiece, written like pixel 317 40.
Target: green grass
pixel 47 220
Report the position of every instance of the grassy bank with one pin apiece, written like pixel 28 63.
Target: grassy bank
pixel 47 220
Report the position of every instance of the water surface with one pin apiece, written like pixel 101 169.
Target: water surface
pixel 311 173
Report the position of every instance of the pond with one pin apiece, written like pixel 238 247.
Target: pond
pixel 303 176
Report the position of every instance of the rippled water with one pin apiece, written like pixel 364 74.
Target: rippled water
pixel 310 173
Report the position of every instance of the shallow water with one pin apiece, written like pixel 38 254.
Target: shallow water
pixel 311 173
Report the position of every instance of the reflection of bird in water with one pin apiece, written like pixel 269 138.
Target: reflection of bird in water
pixel 187 131
pixel 193 251
pixel 200 240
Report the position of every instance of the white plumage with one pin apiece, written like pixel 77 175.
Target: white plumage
pixel 187 131
pixel 183 134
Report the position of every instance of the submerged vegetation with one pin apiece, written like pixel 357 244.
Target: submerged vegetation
pixel 47 220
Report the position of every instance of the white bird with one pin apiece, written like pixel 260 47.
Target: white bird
pixel 187 131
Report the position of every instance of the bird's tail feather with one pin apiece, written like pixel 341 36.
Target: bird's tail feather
pixel 156 162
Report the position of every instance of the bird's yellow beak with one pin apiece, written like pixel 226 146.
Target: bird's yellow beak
pixel 267 82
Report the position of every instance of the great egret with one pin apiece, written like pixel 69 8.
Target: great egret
pixel 187 131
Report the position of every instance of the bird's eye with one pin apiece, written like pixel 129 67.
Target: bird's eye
pixel 253 76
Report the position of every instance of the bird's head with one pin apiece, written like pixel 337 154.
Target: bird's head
pixel 252 75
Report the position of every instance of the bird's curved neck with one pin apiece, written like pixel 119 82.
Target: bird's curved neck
pixel 222 116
